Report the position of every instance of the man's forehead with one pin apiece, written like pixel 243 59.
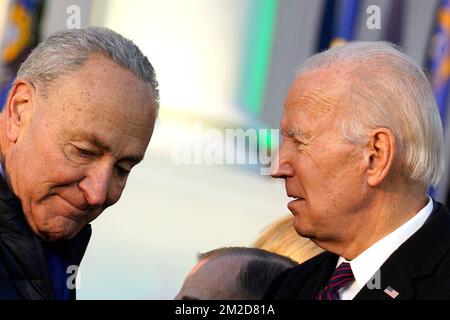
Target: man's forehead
pixel 105 84
pixel 318 91
pixel 316 100
pixel 125 115
pixel 306 113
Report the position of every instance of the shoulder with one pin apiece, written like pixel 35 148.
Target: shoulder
pixel 288 284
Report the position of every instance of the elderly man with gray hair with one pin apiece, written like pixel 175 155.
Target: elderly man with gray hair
pixel 78 117
pixel 362 144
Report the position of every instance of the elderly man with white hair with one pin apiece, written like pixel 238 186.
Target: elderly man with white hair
pixel 362 144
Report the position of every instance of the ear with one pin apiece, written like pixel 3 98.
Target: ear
pixel 18 108
pixel 381 155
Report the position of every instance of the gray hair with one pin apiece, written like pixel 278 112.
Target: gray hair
pixel 388 89
pixel 66 51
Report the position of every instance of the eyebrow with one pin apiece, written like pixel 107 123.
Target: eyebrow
pixel 95 140
pixel 295 132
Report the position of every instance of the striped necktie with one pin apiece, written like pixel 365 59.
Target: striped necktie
pixel 339 279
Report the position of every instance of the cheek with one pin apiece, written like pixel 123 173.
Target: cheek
pixel 63 171
pixel 334 176
pixel 42 161
pixel 24 170
pixel 61 175
pixel 114 193
pixel 64 174
pixel 345 184
pixel 315 173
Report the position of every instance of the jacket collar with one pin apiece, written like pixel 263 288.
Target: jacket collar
pixel 397 273
pixel 13 224
pixel 317 275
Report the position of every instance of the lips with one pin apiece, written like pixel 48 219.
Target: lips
pixel 295 197
pixel 294 200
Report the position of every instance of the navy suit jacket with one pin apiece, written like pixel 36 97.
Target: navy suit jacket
pixel 418 269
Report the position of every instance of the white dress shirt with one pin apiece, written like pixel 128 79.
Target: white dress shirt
pixel 367 263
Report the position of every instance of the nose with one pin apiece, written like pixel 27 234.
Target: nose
pixel 95 186
pixel 280 167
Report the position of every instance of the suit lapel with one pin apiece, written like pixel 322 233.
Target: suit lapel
pixel 394 283
pixel 315 283
pixel 416 258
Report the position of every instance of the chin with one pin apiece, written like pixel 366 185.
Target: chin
pixel 50 226
pixel 301 229
pixel 58 230
pixel 52 235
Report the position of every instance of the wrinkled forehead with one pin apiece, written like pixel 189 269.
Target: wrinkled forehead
pixel 105 96
pixel 321 91
pixel 104 82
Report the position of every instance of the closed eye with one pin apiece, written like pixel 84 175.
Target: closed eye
pixel 300 145
pixel 122 171
pixel 84 152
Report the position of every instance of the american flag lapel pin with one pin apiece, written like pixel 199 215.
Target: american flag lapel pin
pixel 391 292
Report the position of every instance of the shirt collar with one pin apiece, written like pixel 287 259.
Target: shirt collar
pixel 367 263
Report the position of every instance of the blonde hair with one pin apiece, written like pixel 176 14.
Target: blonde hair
pixel 280 237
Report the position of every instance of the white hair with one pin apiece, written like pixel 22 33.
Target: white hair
pixel 389 90
pixel 66 51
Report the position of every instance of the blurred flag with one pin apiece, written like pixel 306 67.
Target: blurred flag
pixel 339 22
pixel 439 64
pixel 439 67
pixel 20 36
pixel 394 27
